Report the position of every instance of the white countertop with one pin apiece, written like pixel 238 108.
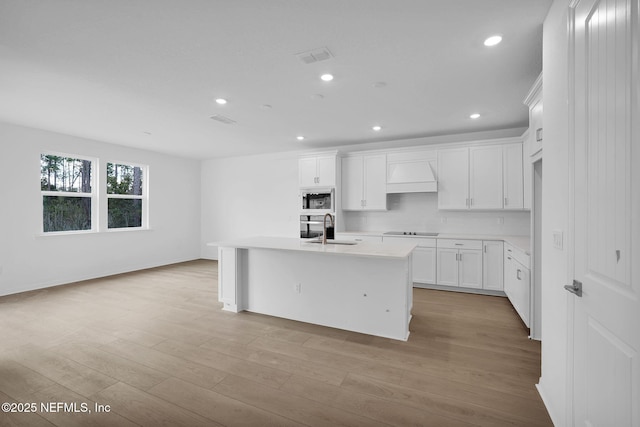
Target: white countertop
pixel 520 242
pixel 366 249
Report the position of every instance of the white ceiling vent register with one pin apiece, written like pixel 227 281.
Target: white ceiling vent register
pixel 222 119
pixel 315 55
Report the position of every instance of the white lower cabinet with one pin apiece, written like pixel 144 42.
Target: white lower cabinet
pixel 424 265
pixel 459 263
pixel 517 284
pixel 424 258
pixel 493 265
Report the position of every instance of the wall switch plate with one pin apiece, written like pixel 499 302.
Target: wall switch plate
pixel 558 239
pixel 500 220
pixel 443 219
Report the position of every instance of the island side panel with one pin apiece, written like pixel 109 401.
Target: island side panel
pixel 362 294
pixel 231 273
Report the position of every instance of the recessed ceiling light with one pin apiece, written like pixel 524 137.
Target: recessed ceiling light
pixel 493 40
pixel 221 101
pixel 377 128
pixel 474 116
pixel 326 77
pixel 300 138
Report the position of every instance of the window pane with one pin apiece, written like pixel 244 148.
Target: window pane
pixel 125 213
pixel 64 174
pixel 66 213
pixel 124 179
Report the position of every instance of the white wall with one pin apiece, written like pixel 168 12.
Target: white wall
pixel 29 260
pixel 249 196
pixel 555 201
pixel 419 212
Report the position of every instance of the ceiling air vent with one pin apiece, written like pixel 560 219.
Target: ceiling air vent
pixel 222 119
pixel 315 55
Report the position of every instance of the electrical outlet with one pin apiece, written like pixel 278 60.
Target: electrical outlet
pixel 298 288
pixel 500 220
pixel 443 219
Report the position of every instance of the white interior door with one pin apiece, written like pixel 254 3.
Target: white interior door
pixel 606 243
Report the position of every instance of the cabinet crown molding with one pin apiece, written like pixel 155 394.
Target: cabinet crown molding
pixel 535 90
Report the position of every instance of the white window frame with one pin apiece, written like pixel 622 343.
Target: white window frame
pixel 92 194
pixel 144 197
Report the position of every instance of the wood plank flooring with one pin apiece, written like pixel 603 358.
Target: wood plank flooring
pixel 156 348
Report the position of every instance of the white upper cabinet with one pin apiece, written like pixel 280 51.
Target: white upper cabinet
pixel 317 171
pixel 453 178
pixel 485 177
pixel 534 102
pixel 364 182
pixel 513 177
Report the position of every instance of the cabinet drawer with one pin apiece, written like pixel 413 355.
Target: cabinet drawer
pixel 420 241
pixel 517 254
pixel 459 244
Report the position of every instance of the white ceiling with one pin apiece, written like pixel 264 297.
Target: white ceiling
pixel 145 73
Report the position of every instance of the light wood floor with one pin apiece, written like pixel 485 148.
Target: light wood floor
pixel 155 346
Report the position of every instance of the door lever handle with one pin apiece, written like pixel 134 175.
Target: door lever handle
pixel 575 288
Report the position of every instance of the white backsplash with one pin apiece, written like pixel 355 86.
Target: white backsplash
pixel 419 212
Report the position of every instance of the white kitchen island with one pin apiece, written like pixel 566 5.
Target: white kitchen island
pixel 364 288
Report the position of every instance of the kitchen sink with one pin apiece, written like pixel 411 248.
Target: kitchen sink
pixel 334 242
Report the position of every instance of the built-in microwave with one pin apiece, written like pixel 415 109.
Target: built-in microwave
pixel 317 201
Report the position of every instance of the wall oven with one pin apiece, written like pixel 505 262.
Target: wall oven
pixel 317 201
pixel 311 227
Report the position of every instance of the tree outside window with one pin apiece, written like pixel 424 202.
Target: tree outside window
pixel 125 196
pixel 67 194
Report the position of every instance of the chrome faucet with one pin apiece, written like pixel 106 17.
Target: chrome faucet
pixel 324 227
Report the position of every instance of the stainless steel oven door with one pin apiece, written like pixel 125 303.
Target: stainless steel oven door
pixel 311 226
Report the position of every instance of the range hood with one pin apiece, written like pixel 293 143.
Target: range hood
pixel 411 175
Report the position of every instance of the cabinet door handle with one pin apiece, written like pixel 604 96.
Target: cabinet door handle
pixel 460 258
pixel 518 275
pixel 538 134
pixel 506 202
pixel 467 201
pixel 485 249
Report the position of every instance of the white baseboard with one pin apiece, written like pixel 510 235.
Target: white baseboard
pixel 555 418
pixel 93 275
